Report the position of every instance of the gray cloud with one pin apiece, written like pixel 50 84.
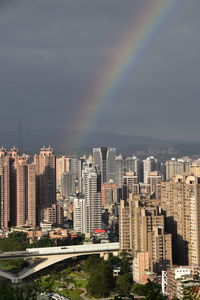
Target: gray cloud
pixel 52 53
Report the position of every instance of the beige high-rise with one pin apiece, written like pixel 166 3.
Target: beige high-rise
pixel 154 181
pixel 7 188
pixel 124 226
pixel 141 228
pixel 131 183
pixel 177 166
pixel 26 195
pixel 180 199
pixel 62 166
pixel 46 177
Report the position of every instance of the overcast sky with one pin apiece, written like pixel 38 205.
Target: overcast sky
pixel 52 53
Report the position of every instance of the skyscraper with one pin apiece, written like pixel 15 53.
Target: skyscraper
pixel 120 166
pixel 154 182
pixel 109 193
pixel 141 229
pixel 79 214
pixel 104 157
pixel 68 183
pixel 133 164
pixel 46 178
pixel 180 200
pixel 62 166
pixel 80 179
pixel 26 194
pixel 149 165
pixel 130 184
pixel 92 192
pixel 177 166
pixel 73 164
pixel 8 188
pixel 18 190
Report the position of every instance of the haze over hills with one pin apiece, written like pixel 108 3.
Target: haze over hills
pixel 60 140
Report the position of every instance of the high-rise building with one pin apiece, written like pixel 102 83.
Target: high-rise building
pixel 26 194
pixel 46 178
pixel 8 188
pixel 133 164
pixel 120 166
pixel 109 194
pixel 195 168
pixel 81 162
pixel 150 164
pixel 180 200
pixel 124 226
pixel 79 214
pixel 18 190
pixel 142 229
pixel 73 164
pixel 154 182
pixel 62 166
pixel 177 166
pixel 130 184
pixel 104 157
pixel 92 192
pixel 68 183
pixel 53 215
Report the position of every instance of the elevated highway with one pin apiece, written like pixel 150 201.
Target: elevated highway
pixel 51 255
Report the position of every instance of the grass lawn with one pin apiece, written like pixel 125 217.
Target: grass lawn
pixel 77 275
pixel 72 294
pixel 12 265
pixel 80 283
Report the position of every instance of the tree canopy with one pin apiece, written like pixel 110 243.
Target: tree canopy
pixel 151 290
pixel 18 292
pixel 100 281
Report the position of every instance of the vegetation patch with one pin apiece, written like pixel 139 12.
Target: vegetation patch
pixel 81 283
pixel 72 294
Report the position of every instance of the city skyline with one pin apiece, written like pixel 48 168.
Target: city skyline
pixel 99 149
pixel 53 62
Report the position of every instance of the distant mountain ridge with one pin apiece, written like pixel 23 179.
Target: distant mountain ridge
pixel 60 140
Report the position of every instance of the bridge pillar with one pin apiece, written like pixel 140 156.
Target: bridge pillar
pixel 105 256
pixel 116 253
pixel 16 280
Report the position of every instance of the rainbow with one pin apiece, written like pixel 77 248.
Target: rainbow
pixel 126 56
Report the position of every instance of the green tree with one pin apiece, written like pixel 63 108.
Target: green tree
pixel 124 284
pixel 125 263
pixel 90 263
pixel 114 261
pixel 101 281
pixel 151 290
pixel 18 292
pixel 16 241
pixel 45 284
pixel 19 236
pixel 43 242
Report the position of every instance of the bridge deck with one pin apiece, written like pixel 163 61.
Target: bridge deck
pixel 108 247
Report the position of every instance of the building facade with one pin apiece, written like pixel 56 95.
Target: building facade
pixel 180 200
pixel 104 157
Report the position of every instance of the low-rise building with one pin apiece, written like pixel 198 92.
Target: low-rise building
pixel 175 280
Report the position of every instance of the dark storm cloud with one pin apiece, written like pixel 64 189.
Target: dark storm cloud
pixel 52 52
